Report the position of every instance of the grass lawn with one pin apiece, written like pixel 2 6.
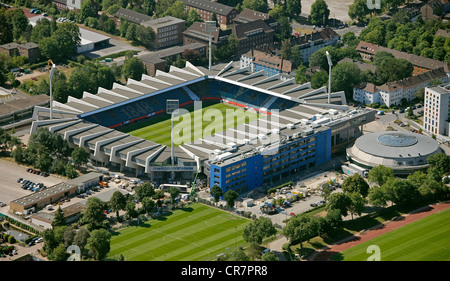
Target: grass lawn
pixel 214 119
pixel 194 233
pixel 425 240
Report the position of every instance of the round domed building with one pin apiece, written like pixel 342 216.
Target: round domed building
pixel 404 152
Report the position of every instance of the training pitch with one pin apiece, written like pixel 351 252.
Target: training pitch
pixel 214 118
pixel 427 239
pixel 194 233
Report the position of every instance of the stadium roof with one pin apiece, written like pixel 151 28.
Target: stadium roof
pixel 112 145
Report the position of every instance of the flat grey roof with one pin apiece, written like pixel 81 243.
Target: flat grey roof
pixel 371 144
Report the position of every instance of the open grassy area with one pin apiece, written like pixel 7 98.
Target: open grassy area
pixel 214 118
pixel 194 233
pixel 425 240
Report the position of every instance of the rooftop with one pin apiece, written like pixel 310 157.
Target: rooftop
pixel 210 6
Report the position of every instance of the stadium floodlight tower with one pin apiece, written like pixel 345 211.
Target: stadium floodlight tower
pixel 52 71
pixel 330 63
pixel 210 26
pixel 171 108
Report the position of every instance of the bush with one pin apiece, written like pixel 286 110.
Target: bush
pixel 11 239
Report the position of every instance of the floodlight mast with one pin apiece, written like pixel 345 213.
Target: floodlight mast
pixel 210 27
pixel 330 63
pixel 52 71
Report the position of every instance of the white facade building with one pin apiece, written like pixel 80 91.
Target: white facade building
pixel 436 113
pixel 392 93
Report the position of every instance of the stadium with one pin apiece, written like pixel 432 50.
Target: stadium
pixel 278 128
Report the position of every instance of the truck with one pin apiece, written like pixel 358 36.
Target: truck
pixel 352 169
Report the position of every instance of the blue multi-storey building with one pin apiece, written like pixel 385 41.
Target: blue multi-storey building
pixel 253 167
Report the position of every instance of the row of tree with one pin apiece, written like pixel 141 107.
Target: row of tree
pixel 418 188
pixel 416 37
pixel 50 153
pixel 95 244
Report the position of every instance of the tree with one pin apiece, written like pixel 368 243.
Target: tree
pixel 300 75
pixel 133 68
pixel 99 243
pixel 257 5
pixel 93 214
pixel 81 238
pixel 50 243
pixel 80 156
pixel 177 10
pixel 144 190
pixel 356 183
pixel 344 77
pixel 148 204
pixel 300 228
pixel 380 174
pixel 319 13
pixel 339 201
pixel 293 8
pixel 60 253
pixel 194 16
pixel 257 230
pixel 87 10
pixel 269 256
pixel 230 196
pixel 357 203
pixel 117 202
pixel 216 192
pixel 378 196
pixel 59 219
pixel 319 79
pixel 441 162
pixel 173 191
pixel 70 171
pixel 358 10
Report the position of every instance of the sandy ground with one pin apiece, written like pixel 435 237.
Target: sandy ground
pixel 338 8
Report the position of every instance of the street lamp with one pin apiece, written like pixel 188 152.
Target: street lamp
pixel 330 63
pixel 52 71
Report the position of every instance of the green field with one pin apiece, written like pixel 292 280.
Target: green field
pixel 425 240
pixel 194 233
pixel 214 118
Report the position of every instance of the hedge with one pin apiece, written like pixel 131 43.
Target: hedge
pixel 274 189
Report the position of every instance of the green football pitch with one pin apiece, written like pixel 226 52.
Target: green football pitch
pixel 210 119
pixel 194 233
pixel 427 239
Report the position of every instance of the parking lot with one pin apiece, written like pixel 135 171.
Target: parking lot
pixel 10 189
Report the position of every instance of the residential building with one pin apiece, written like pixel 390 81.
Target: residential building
pixel 168 30
pixel 68 4
pixel 131 16
pixel 60 4
pixel 310 43
pixel 436 118
pixel 252 35
pixel 29 50
pixel 392 93
pixel 269 63
pixel 157 60
pixel 196 34
pixel 10 48
pixel 421 64
pixel 248 15
pixel 434 9
pixel 224 14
